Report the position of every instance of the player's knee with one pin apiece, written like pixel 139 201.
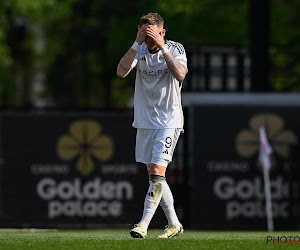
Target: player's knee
pixel 157 170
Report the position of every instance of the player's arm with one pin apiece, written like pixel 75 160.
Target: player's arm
pixel 124 66
pixel 177 69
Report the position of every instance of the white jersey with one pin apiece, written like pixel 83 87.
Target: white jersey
pixel 157 98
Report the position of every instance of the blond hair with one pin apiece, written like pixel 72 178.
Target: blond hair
pixel 153 19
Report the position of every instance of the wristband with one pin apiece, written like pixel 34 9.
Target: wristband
pixel 135 46
pixel 164 49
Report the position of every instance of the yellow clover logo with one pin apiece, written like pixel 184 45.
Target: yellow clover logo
pixel 247 141
pixel 85 142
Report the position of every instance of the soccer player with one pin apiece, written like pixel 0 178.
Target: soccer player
pixel 161 67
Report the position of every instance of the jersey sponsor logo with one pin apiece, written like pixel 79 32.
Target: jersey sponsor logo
pixel 154 72
pixel 143 59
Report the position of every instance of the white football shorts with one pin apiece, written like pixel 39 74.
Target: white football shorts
pixel 156 146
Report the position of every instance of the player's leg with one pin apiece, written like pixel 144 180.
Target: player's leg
pixel 163 142
pixel 167 204
pixel 152 199
pixel 157 170
pixel 144 144
pixel 154 193
pixel 174 228
pixel 167 201
pixel 159 188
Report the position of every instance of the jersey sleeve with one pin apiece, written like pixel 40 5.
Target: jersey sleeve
pixel 136 58
pixel 178 52
pixel 134 63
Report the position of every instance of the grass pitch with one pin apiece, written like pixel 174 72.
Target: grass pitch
pixel 120 239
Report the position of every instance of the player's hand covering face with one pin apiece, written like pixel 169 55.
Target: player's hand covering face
pixel 155 36
pixel 141 34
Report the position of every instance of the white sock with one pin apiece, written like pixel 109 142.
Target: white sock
pixel 152 199
pixel 167 204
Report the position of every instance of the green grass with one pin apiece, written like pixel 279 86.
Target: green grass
pixel 120 239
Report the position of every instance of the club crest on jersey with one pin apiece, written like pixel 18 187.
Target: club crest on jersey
pixel 143 59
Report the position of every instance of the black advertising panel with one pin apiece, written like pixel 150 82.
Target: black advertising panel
pixel 70 170
pixel 227 187
pixel 78 170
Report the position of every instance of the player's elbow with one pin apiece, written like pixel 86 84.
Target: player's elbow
pixel 181 74
pixel 120 73
pixel 180 77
